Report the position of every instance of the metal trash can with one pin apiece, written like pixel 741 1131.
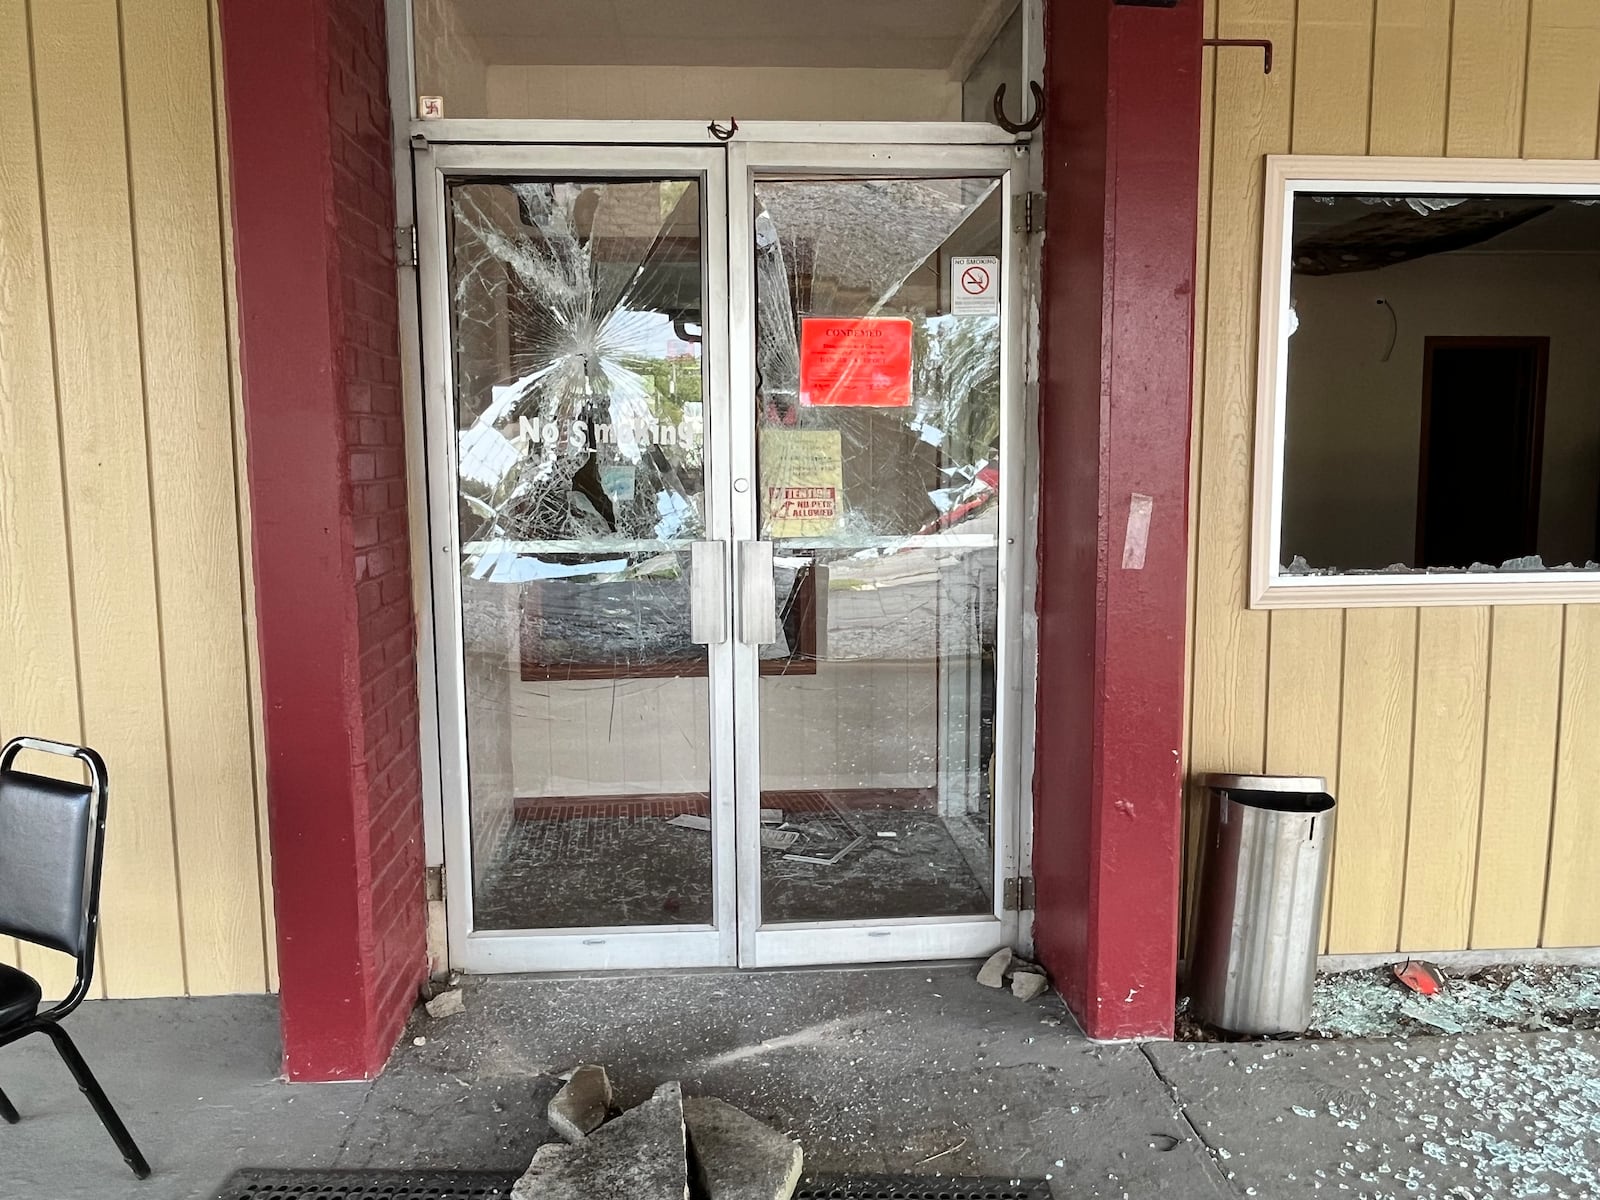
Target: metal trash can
pixel 1264 868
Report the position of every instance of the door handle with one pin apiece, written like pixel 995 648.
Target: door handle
pixel 708 590
pixel 758 618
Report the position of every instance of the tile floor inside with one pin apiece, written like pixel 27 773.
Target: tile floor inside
pixel 569 869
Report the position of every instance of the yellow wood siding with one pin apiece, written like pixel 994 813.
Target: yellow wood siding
pixel 124 572
pixel 1463 743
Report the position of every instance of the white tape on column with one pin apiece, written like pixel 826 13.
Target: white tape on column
pixel 1138 535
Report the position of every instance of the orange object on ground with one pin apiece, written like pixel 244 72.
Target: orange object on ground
pixel 1421 977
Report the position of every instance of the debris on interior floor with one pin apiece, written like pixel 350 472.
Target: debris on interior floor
pixel 1028 980
pixel 668 1148
pixel 772 838
pixel 1379 1003
pixel 831 861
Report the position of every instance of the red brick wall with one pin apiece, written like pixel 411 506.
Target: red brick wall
pixel 309 129
pixel 369 363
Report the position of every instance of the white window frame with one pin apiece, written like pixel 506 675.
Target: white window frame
pixel 1287 175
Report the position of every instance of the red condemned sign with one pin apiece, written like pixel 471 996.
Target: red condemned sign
pixel 862 361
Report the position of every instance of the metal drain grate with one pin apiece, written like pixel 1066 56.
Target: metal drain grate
pixel 918 1187
pixel 496 1185
pixel 369 1185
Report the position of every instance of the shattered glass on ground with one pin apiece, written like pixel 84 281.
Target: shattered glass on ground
pixel 1524 997
pixel 1471 1117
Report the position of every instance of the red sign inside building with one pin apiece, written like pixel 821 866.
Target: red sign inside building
pixel 855 361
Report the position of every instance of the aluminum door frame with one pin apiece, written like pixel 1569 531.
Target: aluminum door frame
pixel 876 940
pixel 601 947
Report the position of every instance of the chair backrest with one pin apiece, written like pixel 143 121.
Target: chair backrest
pixel 51 836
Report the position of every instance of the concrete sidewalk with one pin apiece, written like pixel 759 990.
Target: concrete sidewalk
pixel 875 1071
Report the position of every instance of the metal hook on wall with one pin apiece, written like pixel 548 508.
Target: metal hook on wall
pixel 1006 122
pixel 724 133
pixel 1263 43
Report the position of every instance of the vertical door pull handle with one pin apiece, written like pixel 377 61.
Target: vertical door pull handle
pixel 758 618
pixel 708 592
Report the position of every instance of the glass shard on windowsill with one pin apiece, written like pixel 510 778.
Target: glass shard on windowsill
pixel 1299 567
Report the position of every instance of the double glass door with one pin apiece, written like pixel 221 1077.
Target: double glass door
pixel 722 502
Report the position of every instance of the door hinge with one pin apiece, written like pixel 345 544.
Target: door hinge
pixel 1027 213
pixel 405 245
pixel 1019 894
pixel 433 882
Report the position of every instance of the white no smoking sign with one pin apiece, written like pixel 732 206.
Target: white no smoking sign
pixel 975 285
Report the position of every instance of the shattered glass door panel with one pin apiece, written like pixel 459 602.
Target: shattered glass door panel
pixel 576 317
pixel 880 494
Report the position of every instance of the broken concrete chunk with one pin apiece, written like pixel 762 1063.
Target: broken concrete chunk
pixel 580 1107
pixel 642 1155
pixel 736 1157
pixel 1029 985
pixel 446 1004
pixel 993 973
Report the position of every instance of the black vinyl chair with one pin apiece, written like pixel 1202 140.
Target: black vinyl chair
pixel 52 838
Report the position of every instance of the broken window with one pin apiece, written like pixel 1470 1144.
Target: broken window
pixel 879 407
pixel 576 309
pixel 583 428
pixel 1437 410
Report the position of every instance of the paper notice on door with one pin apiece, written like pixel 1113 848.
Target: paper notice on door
pixel 802 482
pixel 856 361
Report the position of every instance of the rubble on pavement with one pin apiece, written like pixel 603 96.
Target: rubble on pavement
pixel 446 1004
pixel 582 1104
pixel 642 1155
pixel 667 1148
pixel 1027 980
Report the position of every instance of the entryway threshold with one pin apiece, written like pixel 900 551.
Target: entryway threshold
pixel 924 966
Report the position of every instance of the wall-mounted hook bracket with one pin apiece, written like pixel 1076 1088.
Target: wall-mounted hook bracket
pixel 1006 122
pixel 1262 43
pixel 723 133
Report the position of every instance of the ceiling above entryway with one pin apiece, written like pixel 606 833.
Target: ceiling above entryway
pixel 921 34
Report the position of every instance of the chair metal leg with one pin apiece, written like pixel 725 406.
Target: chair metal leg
pixel 91 1088
pixel 8 1112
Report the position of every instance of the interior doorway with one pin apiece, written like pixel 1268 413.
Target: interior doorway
pixel 1483 418
pixel 723 446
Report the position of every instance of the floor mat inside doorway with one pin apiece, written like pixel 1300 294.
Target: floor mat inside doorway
pixel 492 1185
pixel 562 868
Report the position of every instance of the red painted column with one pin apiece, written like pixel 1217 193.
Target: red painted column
pixel 1121 150
pixel 313 203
